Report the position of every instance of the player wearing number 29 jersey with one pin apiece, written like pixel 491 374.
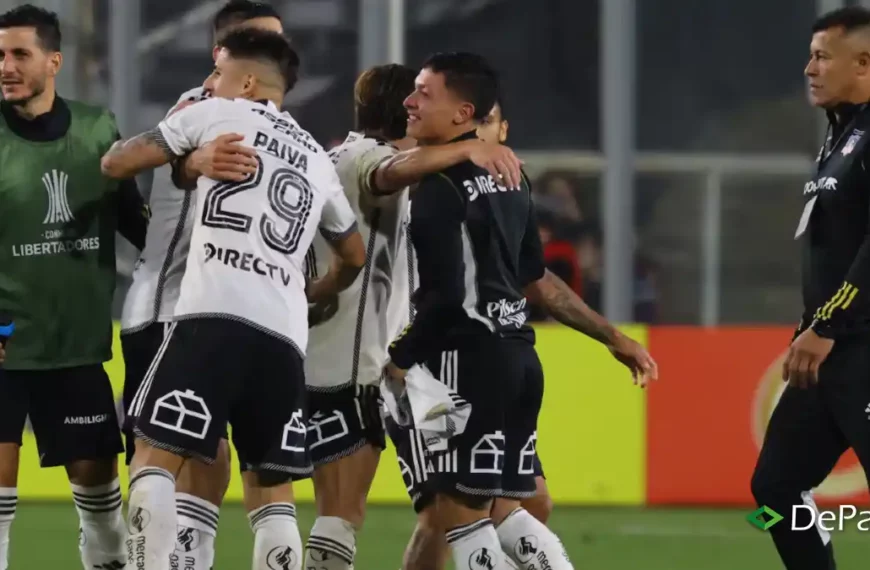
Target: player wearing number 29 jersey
pixel 234 351
pixel 246 264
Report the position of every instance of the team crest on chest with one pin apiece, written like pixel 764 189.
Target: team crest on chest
pixel 854 138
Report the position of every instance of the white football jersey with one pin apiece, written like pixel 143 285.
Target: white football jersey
pixel 351 346
pixel 250 239
pixel 157 276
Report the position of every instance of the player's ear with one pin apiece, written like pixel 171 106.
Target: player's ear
pixel 503 132
pixel 214 53
pixel 464 113
pixel 249 85
pixel 55 62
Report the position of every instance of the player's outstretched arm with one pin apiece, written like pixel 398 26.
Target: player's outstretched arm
pixel 564 305
pixel 127 158
pixel 348 261
pixel 410 166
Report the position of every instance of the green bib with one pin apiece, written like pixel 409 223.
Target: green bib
pixel 58 216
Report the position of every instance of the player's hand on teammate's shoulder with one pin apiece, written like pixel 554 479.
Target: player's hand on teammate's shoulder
pixel 805 357
pixel 501 162
pixel 636 358
pixel 225 159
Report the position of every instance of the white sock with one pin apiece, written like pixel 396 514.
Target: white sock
pixel 475 546
pixel 101 525
pixel 8 504
pixel 197 528
pixel 531 544
pixel 277 543
pixel 331 544
pixel 151 519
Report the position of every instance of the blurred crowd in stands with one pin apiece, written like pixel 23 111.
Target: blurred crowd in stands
pixel 567 205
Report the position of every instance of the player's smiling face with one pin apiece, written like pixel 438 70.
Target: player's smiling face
pixel 24 65
pixel 229 79
pixel 433 109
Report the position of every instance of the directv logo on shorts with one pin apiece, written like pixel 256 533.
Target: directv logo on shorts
pixel 246 262
pixel 182 412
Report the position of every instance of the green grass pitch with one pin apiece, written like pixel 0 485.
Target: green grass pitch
pixel 44 535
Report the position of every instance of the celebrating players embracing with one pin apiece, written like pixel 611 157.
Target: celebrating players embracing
pixel 151 299
pixel 235 349
pixel 349 338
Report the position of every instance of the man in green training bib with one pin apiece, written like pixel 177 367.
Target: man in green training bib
pixel 58 218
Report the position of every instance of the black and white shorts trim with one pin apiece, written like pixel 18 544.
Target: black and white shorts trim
pixel 343 422
pixel 209 372
pixel 496 455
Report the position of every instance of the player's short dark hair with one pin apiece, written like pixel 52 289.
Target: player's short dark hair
pixel 235 12
pixel 470 76
pixel 379 96
pixel 45 22
pixel 849 18
pixel 267 47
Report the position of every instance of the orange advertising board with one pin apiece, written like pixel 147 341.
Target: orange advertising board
pixel 707 416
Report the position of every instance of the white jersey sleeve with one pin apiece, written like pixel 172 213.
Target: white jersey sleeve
pixel 338 219
pixel 157 277
pixel 369 161
pixel 185 130
pixel 350 346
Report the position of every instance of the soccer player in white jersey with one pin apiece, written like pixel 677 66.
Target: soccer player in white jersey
pixel 350 333
pixel 234 352
pixel 150 301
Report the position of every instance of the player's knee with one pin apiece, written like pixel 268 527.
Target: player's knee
pixel 540 506
pixel 9 464
pixel 765 488
pixel 271 479
pixel 92 472
pixel 205 481
pixel 427 549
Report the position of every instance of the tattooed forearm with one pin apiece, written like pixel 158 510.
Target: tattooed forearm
pixel 155 137
pixel 128 158
pixel 564 305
